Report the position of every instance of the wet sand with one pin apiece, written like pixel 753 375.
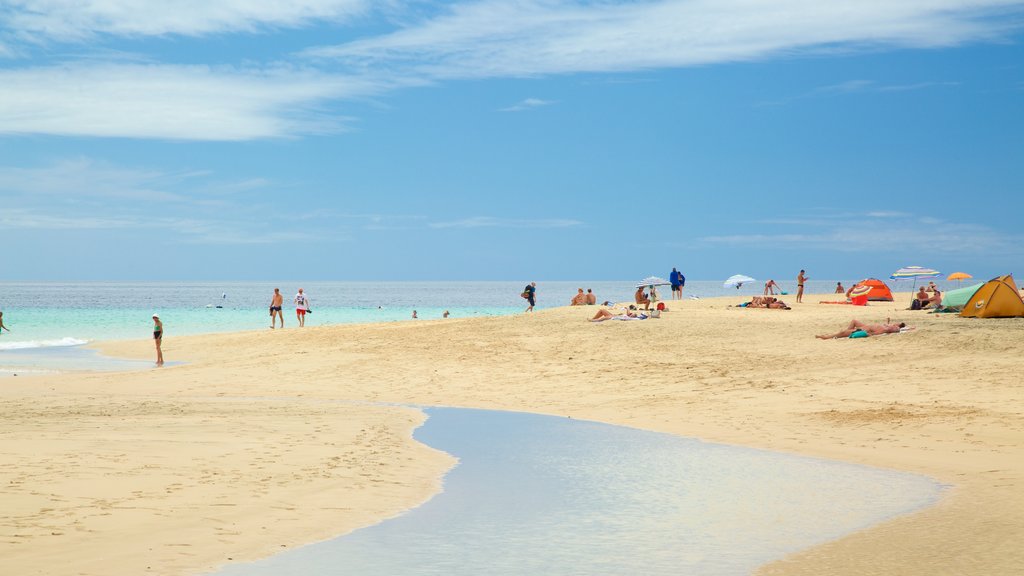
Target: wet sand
pixel 246 449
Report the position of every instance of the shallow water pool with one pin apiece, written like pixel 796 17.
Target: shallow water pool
pixel 545 495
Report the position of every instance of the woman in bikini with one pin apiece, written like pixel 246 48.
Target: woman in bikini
pixel 158 337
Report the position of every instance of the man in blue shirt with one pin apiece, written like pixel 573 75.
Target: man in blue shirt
pixel 530 293
pixel 677 280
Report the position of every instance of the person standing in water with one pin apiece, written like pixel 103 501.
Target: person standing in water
pixel 800 279
pixel 301 307
pixel 158 338
pixel 2 326
pixel 275 308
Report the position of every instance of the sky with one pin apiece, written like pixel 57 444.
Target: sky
pixel 509 140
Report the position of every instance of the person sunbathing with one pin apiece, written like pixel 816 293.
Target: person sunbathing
pixel 603 315
pixel 767 302
pixel 641 298
pixel 580 299
pixel 920 299
pixel 871 329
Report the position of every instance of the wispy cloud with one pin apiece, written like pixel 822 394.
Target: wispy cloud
pixel 73 20
pixel 527 104
pixel 433 42
pixel 492 222
pixel 860 87
pixel 173 102
pixel 87 194
pixel 878 232
pixel 493 38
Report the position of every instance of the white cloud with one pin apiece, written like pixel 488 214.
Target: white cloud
pixel 492 222
pixel 527 104
pixel 71 20
pixel 535 37
pixel 171 102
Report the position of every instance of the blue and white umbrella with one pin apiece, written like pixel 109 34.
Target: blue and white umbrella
pixel 913 273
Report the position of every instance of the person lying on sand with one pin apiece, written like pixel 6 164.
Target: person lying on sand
pixel 871 329
pixel 767 302
pixel 603 315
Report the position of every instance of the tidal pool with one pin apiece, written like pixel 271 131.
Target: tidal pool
pixel 539 494
pixel 76 358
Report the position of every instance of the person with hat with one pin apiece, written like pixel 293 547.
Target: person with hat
pixel 158 337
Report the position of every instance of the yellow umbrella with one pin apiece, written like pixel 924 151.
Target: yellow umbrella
pixel 958 276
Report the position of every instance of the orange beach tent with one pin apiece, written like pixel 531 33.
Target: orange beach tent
pixel 879 291
pixel 998 298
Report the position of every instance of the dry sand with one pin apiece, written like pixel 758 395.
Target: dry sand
pixel 264 439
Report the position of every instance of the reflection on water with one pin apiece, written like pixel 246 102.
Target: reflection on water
pixel 543 495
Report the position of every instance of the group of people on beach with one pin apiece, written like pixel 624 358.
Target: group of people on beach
pixel 923 299
pixel 584 299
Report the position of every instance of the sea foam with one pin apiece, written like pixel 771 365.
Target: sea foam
pixel 61 342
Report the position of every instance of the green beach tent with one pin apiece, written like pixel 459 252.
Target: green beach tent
pixel 959 297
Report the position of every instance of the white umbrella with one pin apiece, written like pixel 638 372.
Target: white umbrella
pixel 736 281
pixel 652 281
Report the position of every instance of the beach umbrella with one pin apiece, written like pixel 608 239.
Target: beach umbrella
pixel 860 290
pixel 653 281
pixel 958 276
pixel 737 280
pixel 914 273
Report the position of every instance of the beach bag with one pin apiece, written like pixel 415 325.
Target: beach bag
pixel 661 306
pixel 525 294
pixel 655 313
pixel 915 305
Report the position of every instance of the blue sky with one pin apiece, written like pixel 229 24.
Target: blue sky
pixel 492 139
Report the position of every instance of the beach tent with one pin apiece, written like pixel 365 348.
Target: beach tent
pixel 959 297
pixel 997 298
pixel 879 291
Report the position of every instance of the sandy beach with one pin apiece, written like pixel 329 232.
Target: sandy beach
pixel 268 440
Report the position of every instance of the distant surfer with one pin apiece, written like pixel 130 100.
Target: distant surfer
pixel 301 307
pixel 275 308
pixel 158 338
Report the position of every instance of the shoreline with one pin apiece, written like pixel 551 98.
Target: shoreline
pixel 753 378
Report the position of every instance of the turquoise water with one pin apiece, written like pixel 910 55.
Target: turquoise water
pixel 544 495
